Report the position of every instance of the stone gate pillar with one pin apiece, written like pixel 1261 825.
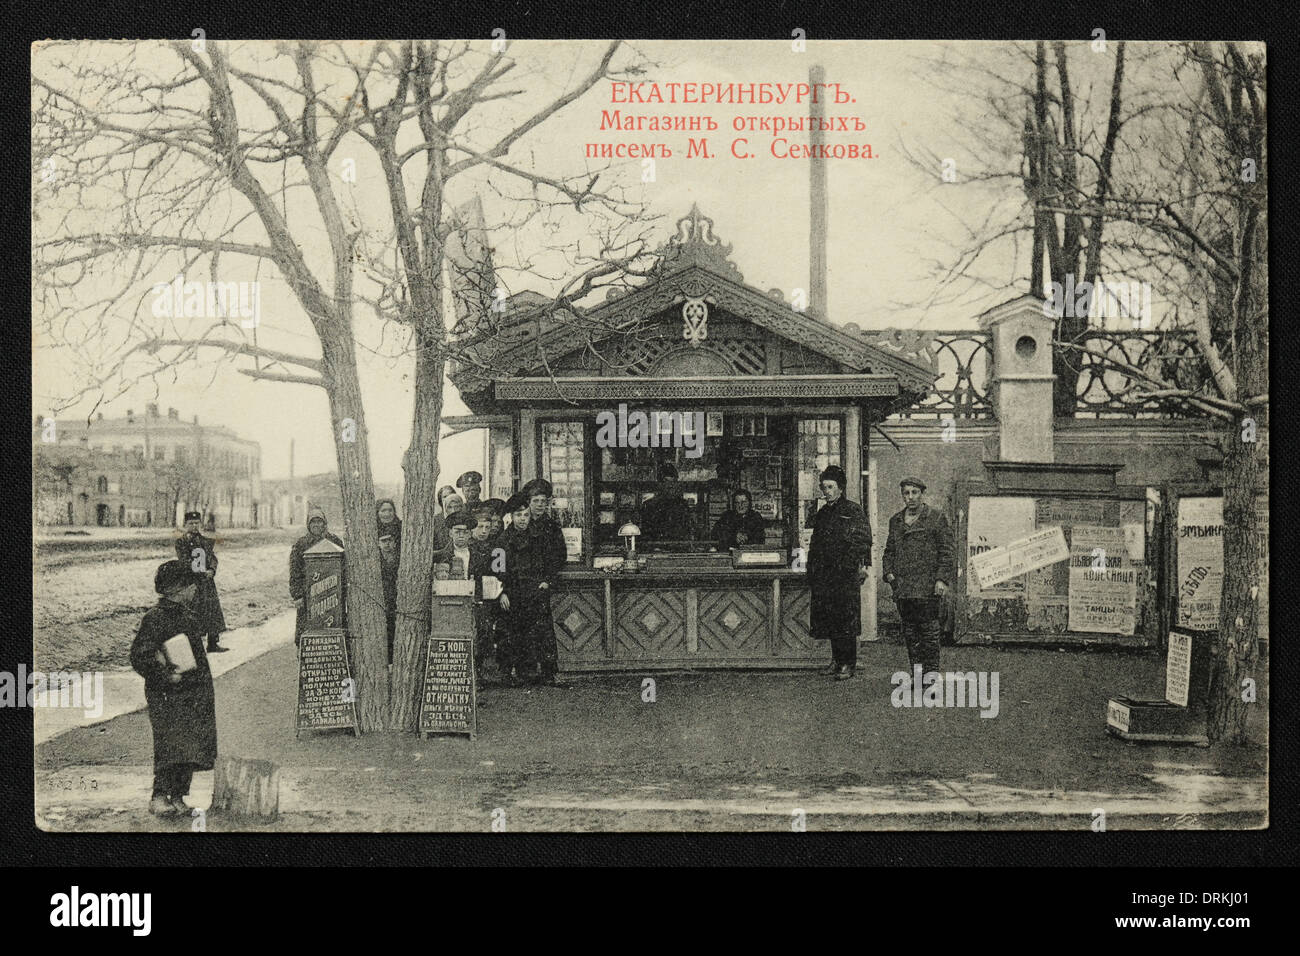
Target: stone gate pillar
pixel 1022 378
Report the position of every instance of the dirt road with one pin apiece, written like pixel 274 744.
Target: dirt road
pixel 90 593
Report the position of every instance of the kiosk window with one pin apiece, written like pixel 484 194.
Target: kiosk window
pixel 564 466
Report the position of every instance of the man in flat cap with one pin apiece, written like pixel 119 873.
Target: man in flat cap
pixel 177 688
pixel 199 553
pixel 471 487
pixel 837 562
pixel 920 566
pixel 534 554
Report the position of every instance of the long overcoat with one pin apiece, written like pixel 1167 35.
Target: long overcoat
pixel 183 715
pixel 532 557
pixel 207 605
pixel 841 544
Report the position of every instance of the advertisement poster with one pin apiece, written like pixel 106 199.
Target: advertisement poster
pixel 1200 562
pixel 1020 557
pixel 994 523
pixel 1103 584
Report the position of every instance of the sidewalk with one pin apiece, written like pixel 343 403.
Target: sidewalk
pixel 123 691
pixel 714 751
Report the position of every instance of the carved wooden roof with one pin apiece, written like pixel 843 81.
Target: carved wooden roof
pixel 694 264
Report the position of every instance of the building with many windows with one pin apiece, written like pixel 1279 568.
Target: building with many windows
pixel 144 470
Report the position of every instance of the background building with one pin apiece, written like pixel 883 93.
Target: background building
pixel 144 470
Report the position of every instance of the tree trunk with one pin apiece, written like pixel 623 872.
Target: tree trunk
pixel 1236 647
pixel 419 506
pixel 367 625
pixel 247 789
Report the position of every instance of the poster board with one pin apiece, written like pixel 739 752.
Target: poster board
pixel 326 689
pixel 1178 668
pixel 1199 584
pixel 448 695
pixel 1034 567
pixel 323 562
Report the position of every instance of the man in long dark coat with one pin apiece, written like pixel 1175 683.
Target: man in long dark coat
pixel 199 553
pixel 837 563
pixel 182 706
pixel 920 565
pixel 535 553
pixel 317 528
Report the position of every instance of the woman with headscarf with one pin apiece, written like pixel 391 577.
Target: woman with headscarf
pixel 389 523
pixel 449 501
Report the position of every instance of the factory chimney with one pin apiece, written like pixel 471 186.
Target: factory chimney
pixel 817 200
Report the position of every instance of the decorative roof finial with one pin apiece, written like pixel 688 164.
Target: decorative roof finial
pixel 694 243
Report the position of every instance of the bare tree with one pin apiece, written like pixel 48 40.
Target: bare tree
pixel 1177 179
pixel 228 155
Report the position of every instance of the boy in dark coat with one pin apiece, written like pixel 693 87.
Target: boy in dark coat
pixel 199 553
pixel 316 529
pixel 534 553
pixel 182 706
pixel 838 556
pixel 485 562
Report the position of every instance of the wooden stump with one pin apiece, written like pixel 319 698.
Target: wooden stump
pixel 247 789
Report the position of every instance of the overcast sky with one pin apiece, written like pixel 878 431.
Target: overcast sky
pixel 886 227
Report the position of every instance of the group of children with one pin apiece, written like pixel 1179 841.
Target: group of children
pixel 512 551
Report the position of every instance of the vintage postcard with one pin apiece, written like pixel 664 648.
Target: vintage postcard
pixel 506 435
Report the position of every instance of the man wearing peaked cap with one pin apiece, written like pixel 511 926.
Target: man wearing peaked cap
pixel 471 487
pixel 920 566
pixel 199 554
pixel 535 553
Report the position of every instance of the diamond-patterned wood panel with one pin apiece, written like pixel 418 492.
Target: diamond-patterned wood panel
pixel 733 622
pixel 794 639
pixel 650 624
pixel 579 625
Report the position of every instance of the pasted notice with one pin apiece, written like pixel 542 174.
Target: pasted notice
pixel 1103 583
pixel 994 523
pixel 326 692
pixel 1178 668
pixel 448 704
pixel 1200 562
pixel 1019 557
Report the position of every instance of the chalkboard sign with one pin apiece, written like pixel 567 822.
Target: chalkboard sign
pixel 449 702
pixel 326 690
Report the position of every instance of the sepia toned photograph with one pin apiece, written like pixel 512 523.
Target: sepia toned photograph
pixel 504 435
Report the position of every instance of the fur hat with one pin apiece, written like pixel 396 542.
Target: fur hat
pixel 836 474
pixel 172 575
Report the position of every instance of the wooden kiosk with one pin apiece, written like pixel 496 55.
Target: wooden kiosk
pixel 737 389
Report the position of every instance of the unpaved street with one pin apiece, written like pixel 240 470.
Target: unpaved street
pixel 91 593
